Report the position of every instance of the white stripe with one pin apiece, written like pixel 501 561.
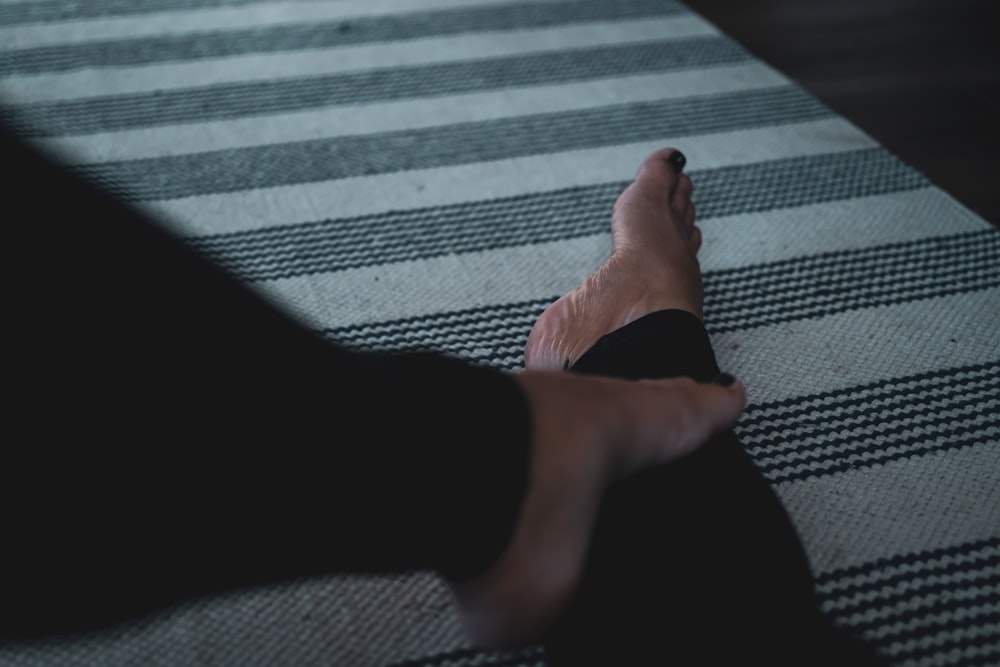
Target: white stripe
pixel 268 66
pixel 429 286
pixel 910 505
pixel 406 115
pixel 208 214
pixel 260 15
pixel 541 270
pixel 771 236
pixel 866 345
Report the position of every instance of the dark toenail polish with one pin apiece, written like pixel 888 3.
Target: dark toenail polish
pixel 724 380
pixel 677 161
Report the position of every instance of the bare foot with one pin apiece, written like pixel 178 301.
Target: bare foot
pixel 589 431
pixel 653 266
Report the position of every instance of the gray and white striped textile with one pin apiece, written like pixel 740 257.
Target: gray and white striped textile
pixel 414 174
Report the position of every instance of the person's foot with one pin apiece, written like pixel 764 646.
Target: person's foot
pixel 653 266
pixel 588 431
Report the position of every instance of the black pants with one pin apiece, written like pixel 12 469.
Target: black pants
pixel 173 435
pixel 695 562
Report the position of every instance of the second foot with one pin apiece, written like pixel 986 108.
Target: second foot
pixel 653 266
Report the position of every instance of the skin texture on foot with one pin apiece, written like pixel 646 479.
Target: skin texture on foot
pixel 653 266
pixel 591 431
pixel 588 432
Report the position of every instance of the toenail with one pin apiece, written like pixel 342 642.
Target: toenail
pixel 677 161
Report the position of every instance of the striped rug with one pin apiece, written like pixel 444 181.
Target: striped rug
pixel 413 174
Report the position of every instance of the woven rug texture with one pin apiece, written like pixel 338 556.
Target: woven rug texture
pixel 431 174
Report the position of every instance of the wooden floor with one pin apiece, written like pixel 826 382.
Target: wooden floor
pixel 921 76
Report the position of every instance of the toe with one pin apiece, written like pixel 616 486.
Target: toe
pixel 684 189
pixel 689 214
pixel 656 171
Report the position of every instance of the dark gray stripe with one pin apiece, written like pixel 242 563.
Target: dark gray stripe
pixel 386 152
pixel 871 425
pixel 345 243
pixel 849 280
pixel 926 596
pixel 495 335
pixel 844 404
pixel 325 34
pixel 398 236
pixel 234 100
pixel 534 656
pixel 981 649
pixel 926 584
pixel 972 586
pixel 60 10
pixel 975 554
pixel 492 336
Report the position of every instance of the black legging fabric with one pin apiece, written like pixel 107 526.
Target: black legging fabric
pixel 174 434
pixel 170 433
pixel 695 562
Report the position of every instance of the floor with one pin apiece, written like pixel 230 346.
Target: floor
pixel 921 76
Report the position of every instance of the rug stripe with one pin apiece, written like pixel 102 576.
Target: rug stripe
pixel 965 650
pixel 899 394
pixel 59 10
pixel 538 271
pixel 913 278
pixel 533 656
pixel 879 451
pixel 236 100
pixel 108 81
pixel 406 114
pixel 488 328
pixel 859 404
pixel 966 591
pixel 872 425
pixel 338 244
pixel 489 179
pixel 325 34
pixel 165 20
pixel 828 283
pixel 933 631
pixel 899 567
pixel 344 157
pixel 915 605
pixel 850 517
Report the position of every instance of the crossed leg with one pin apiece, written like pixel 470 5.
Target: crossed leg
pixel 694 562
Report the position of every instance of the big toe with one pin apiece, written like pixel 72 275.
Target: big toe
pixel 662 171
